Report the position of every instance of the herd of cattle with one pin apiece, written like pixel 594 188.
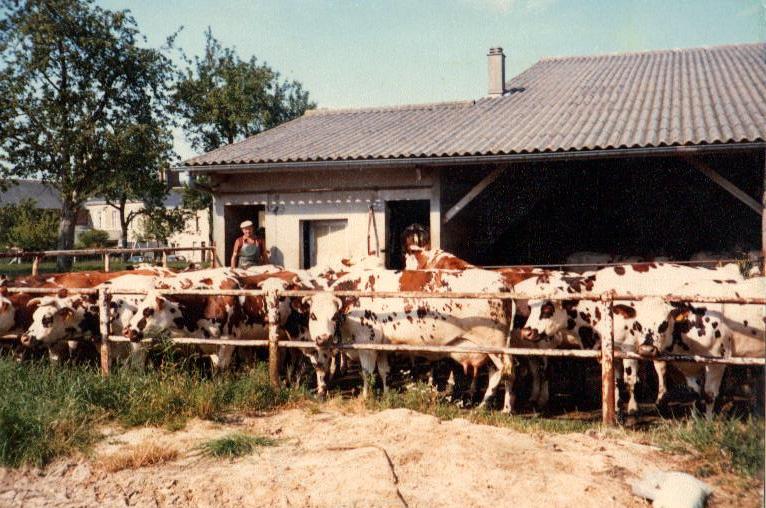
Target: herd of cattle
pixel 650 326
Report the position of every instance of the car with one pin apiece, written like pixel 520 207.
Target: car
pixel 172 258
pixel 136 259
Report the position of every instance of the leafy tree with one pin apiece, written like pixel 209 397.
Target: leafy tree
pixel 27 227
pixel 222 98
pixel 159 224
pixel 138 153
pixel 94 238
pixel 70 74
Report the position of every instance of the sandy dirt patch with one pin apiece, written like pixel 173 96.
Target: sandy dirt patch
pixel 331 458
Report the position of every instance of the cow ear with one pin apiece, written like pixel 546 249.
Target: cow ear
pixel 62 293
pixel 160 302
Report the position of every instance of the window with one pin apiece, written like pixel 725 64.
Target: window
pixel 324 241
pixel 115 220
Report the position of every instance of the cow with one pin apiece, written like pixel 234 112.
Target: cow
pixel 710 329
pixel 198 316
pixel 584 321
pixel 7 312
pixel 416 321
pixel 418 258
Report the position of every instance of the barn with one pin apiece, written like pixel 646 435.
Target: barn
pixel 636 154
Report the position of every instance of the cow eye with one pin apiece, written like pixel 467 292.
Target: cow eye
pixel 546 310
pixel 313 317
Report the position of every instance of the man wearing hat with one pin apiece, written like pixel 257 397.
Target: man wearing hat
pixel 250 248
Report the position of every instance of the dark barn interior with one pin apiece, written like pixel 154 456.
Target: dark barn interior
pixel 539 213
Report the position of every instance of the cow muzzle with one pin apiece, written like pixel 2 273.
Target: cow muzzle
pixel 323 340
pixel 531 334
pixel 133 335
pixel 648 350
pixel 28 340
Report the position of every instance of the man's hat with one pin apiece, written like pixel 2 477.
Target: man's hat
pixel 246 224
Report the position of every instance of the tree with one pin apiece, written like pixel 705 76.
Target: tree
pixel 159 224
pixel 222 98
pixel 70 72
pixel 27 227
pixel 138 154
pixel 94 238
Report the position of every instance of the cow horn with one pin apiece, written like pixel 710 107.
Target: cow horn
pixel 337 301
pixel 305 300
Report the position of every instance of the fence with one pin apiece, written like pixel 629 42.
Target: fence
pixel 37 256
pixel 605 356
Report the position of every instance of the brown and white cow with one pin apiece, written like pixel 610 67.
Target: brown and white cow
pixel 7 312
pixel 584 321
pixel 415 321
pixel 418 258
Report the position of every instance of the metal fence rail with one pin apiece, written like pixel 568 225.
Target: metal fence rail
pixel 37 256
pixel 605 356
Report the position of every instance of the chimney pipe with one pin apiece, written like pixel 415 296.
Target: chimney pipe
pixel 496 67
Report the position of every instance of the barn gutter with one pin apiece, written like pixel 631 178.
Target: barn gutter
pixel 478 159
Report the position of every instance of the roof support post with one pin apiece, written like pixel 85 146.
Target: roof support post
pixel 728 186
pixel 471 195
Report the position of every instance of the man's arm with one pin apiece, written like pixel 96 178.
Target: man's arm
pixel 235 253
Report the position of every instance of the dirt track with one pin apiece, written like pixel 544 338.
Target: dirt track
pixel 392 458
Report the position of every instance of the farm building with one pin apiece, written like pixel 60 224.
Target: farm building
pixel 639 154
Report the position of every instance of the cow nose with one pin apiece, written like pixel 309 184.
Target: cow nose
pixel 529 334
pixel 28 340
pixel 323 339
pixel 133 335
pixel 647 350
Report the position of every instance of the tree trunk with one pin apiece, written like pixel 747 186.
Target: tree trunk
pixel 68 219
pixel 123 229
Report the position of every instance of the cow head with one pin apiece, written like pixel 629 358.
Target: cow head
pixel 325 310
pixel 652 326
pixel 154 315
pixel 58 318
pixel 546 318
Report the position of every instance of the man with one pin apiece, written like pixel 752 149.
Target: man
pixel 250 248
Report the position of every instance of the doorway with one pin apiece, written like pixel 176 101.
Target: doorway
pixel 399 215
pixel 233 216
pixel 323 242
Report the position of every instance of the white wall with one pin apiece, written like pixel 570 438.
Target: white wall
pixel 291 197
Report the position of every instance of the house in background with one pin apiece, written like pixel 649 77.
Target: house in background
pixel 44 196
pixel 636 154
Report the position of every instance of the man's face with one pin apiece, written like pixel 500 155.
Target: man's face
pixel 248 231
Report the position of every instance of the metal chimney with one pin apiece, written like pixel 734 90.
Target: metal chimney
pixel 496 67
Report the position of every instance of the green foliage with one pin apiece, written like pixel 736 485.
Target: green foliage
pixel 159 224
pixel 27 227
pixel 47 411
pixel 723 444
pixel 235 445
pixel 72 76
pixel 93 238
pixel 224 98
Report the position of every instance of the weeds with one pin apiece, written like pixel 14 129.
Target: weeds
pixel 143 455
pixel 234 445
pixel 48 411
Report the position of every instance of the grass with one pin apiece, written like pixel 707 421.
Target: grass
pixel 48 411
pixel 723 445
pixel 234 445
pixel 143 455
pixel 82 265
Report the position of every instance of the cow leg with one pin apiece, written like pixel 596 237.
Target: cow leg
pixel 367 359
pixel 661 368
pixel 383 369
pixel 321 362
pixel 137 356
pixel 222 359
pixel 630 368
pixel 72 346
pixel 713 377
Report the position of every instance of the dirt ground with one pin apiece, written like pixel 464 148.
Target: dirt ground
pixel 333 456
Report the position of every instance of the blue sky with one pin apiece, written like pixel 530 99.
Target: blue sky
pixel 354 53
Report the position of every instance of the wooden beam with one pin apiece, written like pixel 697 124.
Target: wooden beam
pixel 728 186
pixel 457 207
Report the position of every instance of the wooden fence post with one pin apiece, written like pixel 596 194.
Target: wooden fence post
pixel 36 265
pixel 272 312
pixel 607 372
pixel 104 329
pixel 164 259
pixel 213 256
pixel 107 261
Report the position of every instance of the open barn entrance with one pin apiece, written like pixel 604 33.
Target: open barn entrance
pixel 234 215
pixel 626 207
pixel 399 215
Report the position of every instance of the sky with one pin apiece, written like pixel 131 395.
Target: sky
pixel 359 53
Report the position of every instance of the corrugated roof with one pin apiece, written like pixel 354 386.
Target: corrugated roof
pixel 631 100
pixel 44 195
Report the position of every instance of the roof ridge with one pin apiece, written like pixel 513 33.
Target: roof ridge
pixel 648 52
pixel 401 107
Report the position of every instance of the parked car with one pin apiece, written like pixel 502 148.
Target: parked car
pixel 136 259
pixel 172 258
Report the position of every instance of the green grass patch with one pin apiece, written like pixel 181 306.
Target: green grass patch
pixel 722 444
pixel 235 445
pixel 82 265
pixel 48 411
